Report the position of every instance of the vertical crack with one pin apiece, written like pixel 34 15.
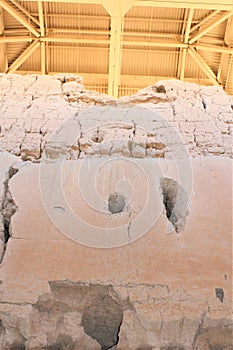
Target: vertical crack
pixel 128 228
pixel 8 208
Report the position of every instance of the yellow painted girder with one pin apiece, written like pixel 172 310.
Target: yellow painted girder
pixel 196 4
pixel 186 38
pixel 210 26
pixel 18 17
pixel 115 55
pixel 24 55
pixel 203 65
pixel 3 55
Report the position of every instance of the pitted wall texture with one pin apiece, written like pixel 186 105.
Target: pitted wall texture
pixel 32 107
pixel 170 288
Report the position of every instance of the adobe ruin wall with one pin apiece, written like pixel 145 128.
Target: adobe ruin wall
pixel 116 216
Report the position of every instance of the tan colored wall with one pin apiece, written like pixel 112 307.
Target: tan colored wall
pixel 72 271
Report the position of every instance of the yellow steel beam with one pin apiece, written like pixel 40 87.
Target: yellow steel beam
pixel 24 55
pixel 41 18
pixel 210 26
pixel 107 32
pixel 228 40
pixel 213 48
pixel 42 33
pixel 18 16
pixel 186 38
pixel 43 57
pixel 98 82
pixel 172 44
pixel 3 55
pixel 26 12
pixel 62 39
pixel 15 39
pixel 116 10
pixel 229 77
pixel 203 65
pixel 164 43
pixel 196 4
pixel 181 53
pixel 204 20
pixel 115 55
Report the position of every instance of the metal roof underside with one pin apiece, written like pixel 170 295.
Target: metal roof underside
pixel 120 46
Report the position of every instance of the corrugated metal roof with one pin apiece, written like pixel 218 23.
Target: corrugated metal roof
pixel 147 44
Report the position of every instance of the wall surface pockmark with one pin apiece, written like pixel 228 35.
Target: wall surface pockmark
pixel 116 216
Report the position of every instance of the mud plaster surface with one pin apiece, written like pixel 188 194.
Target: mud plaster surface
pixel 167 289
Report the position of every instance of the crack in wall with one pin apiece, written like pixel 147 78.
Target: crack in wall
pixel 8 209
pixel 93 316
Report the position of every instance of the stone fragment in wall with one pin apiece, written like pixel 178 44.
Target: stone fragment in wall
pixel 149 316
pixel 222 126
pixel 189 111
pixel 151 152
pixel 158 292
pixel 30 148
pixel 49 103
pixel 55 150
pixel 215 150
pixel 136 150
pixel 32 125
pixel 214 336
pixel 11 143
pixel 227 144
pixel 13 112
pixel 13 100
pixel 73 77
pixel 132 334
pixel 65 78
pixel 20 84
pixel 142 97
pixel 45 85
pixel 226 117
pixel 215 94
pixel 165 109
pixel 6 124
pixel 85 143
pixel 174 88
pixel 118 146
pixel 71 88
pixel 216 101
pixel 5 84
pixel 48 126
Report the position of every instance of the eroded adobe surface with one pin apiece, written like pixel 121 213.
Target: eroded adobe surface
pixel 165 281
pixel 32 108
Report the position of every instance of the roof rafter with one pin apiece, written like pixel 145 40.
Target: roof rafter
pixel 116 10
pixel 199 4
pixel 203 65
pixel 28 14
pixel 24 55
pixel 18 16
pixel 204 20
pixel 182 58
pixel 42 33
pixel 230 69
pixel 115 55
pixel 3 56
pixel 223 73
pixel 210 26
